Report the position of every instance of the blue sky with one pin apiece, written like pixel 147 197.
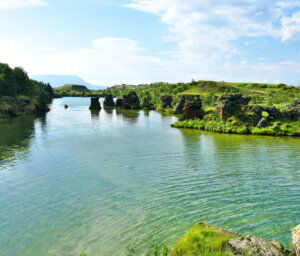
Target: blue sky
pixel 108 42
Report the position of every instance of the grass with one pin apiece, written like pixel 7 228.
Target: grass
pixel 203 240
pixel 278 128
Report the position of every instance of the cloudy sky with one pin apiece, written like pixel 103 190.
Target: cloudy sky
pixel 107 42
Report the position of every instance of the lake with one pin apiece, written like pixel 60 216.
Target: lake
pixel 115 182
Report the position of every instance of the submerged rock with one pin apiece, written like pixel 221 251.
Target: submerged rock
pixel 166 101
pixel 109 101
pixel 180 105
pixel 296 240
pixel 192 107
pixel 95 104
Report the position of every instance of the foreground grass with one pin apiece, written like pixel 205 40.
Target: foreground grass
pixel 202 240
pixel 277 128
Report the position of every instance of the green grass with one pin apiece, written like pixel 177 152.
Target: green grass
pixel 202 240
pixel 278 128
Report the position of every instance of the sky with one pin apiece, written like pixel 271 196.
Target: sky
pixel 109 42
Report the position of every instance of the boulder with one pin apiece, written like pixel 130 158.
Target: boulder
pixel 166 101
pixel 95 104
pixel 254 246
pixel 192 107
pixel 235 98
pixel 180 105
pixel 131 101
pixel 109 101
pixel 296 240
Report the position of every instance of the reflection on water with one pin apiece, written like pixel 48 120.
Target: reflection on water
pixel 116 182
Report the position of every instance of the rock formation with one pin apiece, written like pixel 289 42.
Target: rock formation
pixel 166 101
pixel 192 107
pixel 109 101
pixel 146 104
pixel 293 113
pixel 129 101
pixel 296 240
pixel 95 104
pixel 229 104
pixel 180 105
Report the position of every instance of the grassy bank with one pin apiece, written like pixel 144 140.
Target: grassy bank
pixel 276 128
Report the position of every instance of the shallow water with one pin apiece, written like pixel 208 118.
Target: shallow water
pixel 114 182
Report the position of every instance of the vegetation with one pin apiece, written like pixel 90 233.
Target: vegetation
pixel 202 240
pixel 234 125
pixel 15 82
pixel 21 95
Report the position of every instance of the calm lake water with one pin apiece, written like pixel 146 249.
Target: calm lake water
pixel 114 182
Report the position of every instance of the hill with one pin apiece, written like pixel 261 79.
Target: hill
pixel 60 80
pixel 72 87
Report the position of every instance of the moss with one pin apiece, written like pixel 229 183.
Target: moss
pixel 203 240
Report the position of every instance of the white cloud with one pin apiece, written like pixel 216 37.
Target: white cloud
pixel 13 4
pixel 291 27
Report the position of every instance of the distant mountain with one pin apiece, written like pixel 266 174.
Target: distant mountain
pixel 60 80
pixel 72 87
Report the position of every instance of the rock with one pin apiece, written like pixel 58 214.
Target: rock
pixel 95 104
pixel 146 103
pixel 296 103
pixel 264 122
pixel 131 101
pixel 255 246
pixel 109 101
pixel 296 240
pixel 230 104
pixel 166 101
pixel 119 103
pixel 293 113
pixel 180 105
pixel 192 107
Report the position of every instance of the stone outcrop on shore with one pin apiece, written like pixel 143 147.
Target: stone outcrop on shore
pixel 109 101
pixel 203 238
pixel 10 107
pixel 166 101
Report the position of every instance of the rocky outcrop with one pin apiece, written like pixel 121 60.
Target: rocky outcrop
pixel 192 107
pixel 166 101
pixel 146 103
pixel 296 240
pixel 225 242
pixel 293 113
pixel 10 107
pixel 296 103
pixel 180 105
pixel 131 101
pixel 95 104
pixel 255 246
pixel 109 101
pixel 229 104
pixel 119 103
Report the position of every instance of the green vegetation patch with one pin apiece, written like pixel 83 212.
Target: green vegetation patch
pixel 203 240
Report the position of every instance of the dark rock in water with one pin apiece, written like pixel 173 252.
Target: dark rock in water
pixel 166 101
pixel 264 122
pixel 131 101
pixel 254 246
pixel 146 103
pixel 109 101
pixel 296 103
pixel 119 103
pixel 180 105
pixel 95 104
pixel 296 240
pixel 192 107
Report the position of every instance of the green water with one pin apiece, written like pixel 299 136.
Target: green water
pixel 113 183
